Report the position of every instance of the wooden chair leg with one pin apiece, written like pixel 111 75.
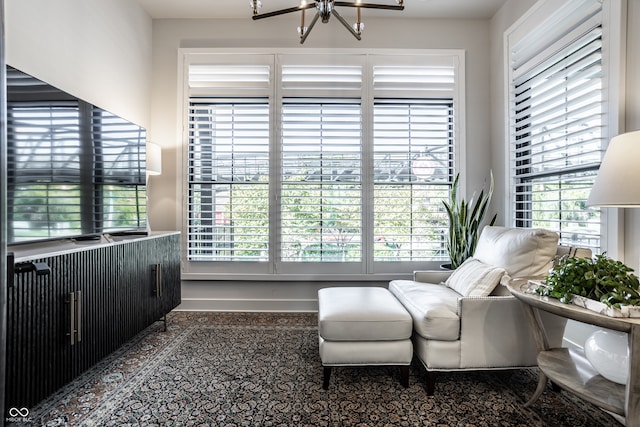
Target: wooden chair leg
pixel 404 375
pixel 431 383
pixel 325 377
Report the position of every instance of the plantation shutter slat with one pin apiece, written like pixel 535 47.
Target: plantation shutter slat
pixel 561 122
pixel 217 79
pixel 553 34
pixel 414 79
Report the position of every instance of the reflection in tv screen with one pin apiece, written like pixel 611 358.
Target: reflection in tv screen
pixel 73 169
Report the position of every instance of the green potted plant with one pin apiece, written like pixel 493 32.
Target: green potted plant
pixel 602 279
pixel 465 219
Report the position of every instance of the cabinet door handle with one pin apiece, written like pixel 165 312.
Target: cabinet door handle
pixel 72 319
pixel 75 317
pixel 10 269
pixel 78 316
pixel 158 276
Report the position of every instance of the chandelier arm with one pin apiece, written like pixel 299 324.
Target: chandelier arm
pixel 346 24
pixel 283 11
pixel 310 27
pixel 369 5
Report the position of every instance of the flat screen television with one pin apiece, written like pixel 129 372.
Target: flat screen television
pixel 74 170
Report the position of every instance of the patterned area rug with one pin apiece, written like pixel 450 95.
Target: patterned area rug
pixel 225 369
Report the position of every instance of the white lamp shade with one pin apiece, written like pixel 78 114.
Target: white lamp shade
pixel 154 159
pixel 618 180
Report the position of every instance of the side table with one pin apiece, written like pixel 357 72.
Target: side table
pixel 570 369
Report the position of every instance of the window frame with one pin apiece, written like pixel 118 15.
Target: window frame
pixel 273 270
pixel 545 20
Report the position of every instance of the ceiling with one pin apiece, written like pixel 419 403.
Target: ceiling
pixel 187 9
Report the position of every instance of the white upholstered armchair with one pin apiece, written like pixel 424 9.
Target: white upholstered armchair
pixel 466 319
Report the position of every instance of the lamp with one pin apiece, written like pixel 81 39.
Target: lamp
pixel 616 186
pixel 324 10
pixel 154 167
pixel 617 183
pixel 154 159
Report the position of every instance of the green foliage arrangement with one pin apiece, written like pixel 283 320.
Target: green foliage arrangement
pixel 465 219
pixel 602 279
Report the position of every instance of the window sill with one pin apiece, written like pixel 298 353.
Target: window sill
pixel 297 277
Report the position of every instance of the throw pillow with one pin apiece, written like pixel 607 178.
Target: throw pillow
pixel 474 278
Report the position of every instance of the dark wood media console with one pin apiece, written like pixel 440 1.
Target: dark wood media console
pixel 92 300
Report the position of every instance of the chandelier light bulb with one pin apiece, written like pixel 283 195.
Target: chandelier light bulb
pixel 256 5
pixel 358 26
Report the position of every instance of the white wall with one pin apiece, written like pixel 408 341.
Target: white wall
pixel 99 51
pixel 502 20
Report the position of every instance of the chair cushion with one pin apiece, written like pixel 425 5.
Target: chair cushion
pixel 475 278
pixel 523 252
pixel 433 308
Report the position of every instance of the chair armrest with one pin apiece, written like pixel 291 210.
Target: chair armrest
pixel 495 332
pixel 470 308
pixel 431 276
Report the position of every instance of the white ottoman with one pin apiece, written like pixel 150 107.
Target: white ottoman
pixel 361 326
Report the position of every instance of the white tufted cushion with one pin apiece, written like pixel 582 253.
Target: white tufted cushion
pixel 474 278
pixel 523 252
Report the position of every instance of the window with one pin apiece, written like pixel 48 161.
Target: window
pixel 413 165
pixel 321 197
pixel 312 163
pixel 559 125
pixel 228 180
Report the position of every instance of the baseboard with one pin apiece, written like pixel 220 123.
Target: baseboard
pixel 248 305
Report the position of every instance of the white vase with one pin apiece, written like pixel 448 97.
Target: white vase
pixel 608 353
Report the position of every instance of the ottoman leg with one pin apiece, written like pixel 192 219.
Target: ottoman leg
pixel 326 376
pixel 404 375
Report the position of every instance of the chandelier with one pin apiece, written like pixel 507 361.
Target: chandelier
pixel 324 10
